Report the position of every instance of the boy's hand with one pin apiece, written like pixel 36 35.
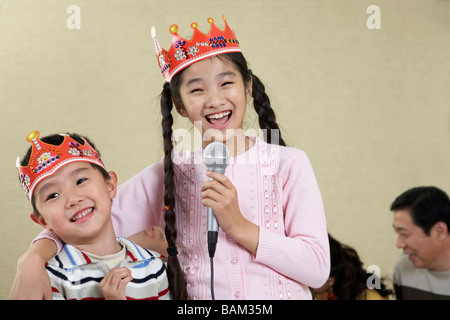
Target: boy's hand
pixel 114 283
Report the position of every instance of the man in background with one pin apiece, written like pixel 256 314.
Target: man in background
pixel 421 221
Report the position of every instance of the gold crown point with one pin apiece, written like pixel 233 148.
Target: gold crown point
pixel 210 20
pixel 173 29
pixel 194 25
pixel 32 135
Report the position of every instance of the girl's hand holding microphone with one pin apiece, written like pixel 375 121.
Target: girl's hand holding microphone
pixel 221 195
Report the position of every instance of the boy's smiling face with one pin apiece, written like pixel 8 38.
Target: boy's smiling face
pixel 75 202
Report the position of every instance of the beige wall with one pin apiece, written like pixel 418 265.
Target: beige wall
pixel 370 107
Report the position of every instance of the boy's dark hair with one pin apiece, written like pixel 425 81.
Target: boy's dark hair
pixel 56 140
pixel 267 122
pixel 427 205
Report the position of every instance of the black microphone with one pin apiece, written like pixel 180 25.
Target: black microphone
pixel 215 157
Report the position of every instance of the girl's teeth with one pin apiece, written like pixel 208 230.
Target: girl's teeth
pixel 81 215
pixel 218 115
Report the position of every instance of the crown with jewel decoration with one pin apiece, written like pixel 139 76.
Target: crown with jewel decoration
pixel 46 159
pixel 182 53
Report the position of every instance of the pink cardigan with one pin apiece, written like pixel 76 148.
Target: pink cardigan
pixel 277 190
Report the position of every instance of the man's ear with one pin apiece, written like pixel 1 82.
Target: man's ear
pixel 39 220
pixel 111 184
pixel 441 229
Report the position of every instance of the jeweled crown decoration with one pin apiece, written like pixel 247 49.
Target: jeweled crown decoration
pixel 182 53
pixel 46 159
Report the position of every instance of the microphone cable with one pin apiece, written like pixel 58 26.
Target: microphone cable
pixel 212 279
pixel 212 243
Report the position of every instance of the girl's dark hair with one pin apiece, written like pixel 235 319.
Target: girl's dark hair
pixel 267 122
pixel 261 101
pixel 350 276
pixel 56 140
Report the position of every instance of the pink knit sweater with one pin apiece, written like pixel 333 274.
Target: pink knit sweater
pixel 277 191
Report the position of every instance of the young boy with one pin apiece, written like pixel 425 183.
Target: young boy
pixel 71 193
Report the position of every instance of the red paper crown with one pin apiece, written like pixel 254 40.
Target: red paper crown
pixel 182 53
pixel 46 159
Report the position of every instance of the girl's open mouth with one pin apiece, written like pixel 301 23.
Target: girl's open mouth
pixel 219 119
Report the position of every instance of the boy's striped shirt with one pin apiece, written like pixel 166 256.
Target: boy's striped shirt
pixel 74 276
